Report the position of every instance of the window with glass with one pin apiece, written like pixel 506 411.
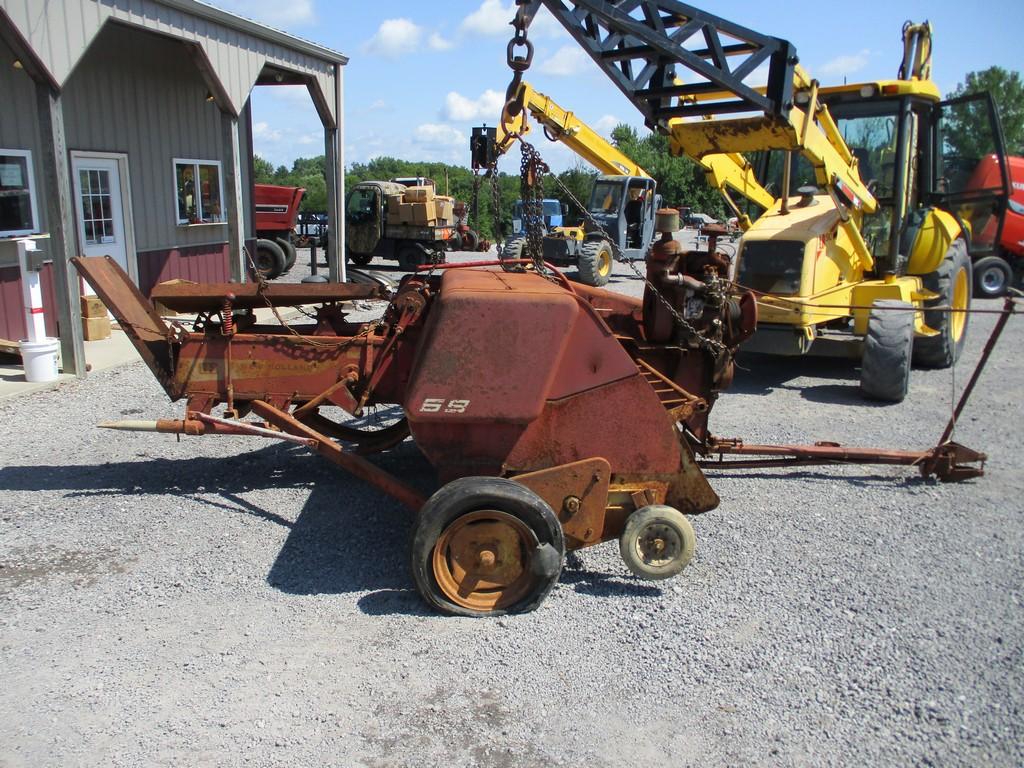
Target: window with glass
pixel 18 212
pixel 198 191
pixel 605 196
pixel 97 206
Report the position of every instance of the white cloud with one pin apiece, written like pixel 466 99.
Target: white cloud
pixel 606 123
pixel 847 64
pixel 759 76
pixel 264 132
pixel 394 37
pixel 273 13
pixel 492 18
pixel 439 43
pixel 296 94
pixel 567 60
pixel 440 135
pixel 486 107
pixel 310 138
pixel 377 106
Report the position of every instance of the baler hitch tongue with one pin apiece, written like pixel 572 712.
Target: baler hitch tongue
pixel 953 463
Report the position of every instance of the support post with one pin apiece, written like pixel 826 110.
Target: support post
pixel 335 172
pixel 60 220
pixel 233 191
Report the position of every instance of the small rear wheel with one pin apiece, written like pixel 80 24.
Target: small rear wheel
pixel 360 259
pixel 657 542
pixel 486 546
pixel 410 257
pixel 992 276
pixel 595 263
pixel 888 349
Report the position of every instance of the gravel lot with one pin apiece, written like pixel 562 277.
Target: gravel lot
pixel 225 601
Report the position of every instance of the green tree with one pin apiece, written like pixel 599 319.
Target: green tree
pixel 263 171
pixel 967 131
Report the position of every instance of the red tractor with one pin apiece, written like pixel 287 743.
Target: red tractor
pixel 277 209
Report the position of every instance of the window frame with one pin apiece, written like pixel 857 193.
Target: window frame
pixel 195 163
pixel 30 172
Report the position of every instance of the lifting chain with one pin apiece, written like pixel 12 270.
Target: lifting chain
pixel 532 169
pixel 531 191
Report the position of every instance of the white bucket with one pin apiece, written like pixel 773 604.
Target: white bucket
pixel 40 359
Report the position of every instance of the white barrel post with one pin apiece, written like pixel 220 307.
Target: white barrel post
pixel 31 291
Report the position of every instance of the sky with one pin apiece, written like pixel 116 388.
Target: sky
pixel 422 74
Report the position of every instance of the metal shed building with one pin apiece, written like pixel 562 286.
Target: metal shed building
pixel 125 130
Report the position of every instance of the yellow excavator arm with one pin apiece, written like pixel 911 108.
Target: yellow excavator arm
pixel 560 125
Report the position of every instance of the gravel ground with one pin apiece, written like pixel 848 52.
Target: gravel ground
pixel 225 601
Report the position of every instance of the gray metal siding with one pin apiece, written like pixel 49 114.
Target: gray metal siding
pixel 19 120
pixel 141 94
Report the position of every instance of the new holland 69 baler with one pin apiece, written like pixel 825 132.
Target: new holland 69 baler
pixel 557 416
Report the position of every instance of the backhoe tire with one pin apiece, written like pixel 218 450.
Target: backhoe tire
pixel 270 259
pixel 513 250
pixel 952 281
pixel 888 350
pixel 992 276
pixel 595 263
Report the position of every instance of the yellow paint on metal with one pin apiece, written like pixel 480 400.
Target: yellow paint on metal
pixel 937 232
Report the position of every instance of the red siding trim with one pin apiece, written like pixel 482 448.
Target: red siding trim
pixel 12 314
pixel 198 263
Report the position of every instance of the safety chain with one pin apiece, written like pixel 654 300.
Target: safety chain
pixel 473 220
pixel 262 285
pixel 499 236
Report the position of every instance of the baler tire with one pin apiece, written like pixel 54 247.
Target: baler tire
pixel 595 263
pixel 497 501
pixel 513 250
pixel 269 259
pixel 952 281
pixel 888 351
pixel 290 254
pixel 992 277
pixel 668 522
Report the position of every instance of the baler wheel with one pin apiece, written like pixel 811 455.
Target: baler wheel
pixel 657 542
pixel 486 546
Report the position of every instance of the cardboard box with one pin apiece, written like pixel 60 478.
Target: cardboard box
pixel 405 213
pixel 424 213
pixel 92 306
pixel 445 209
pixel 95 328
pixel 419 194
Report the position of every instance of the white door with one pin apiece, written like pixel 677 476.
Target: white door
pixel 99 208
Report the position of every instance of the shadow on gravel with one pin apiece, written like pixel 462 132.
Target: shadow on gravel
pixel 758 374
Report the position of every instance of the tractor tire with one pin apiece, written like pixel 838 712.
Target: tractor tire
pixel 360 259
pixel 470 240
pixel 409 257
pixel 486 530
pixel 513 250
pixel 595 263
pixel 888 351
pixel 290 254
pixel 992 277
pixel 657 542
pixel 270 259
pixel 952 281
